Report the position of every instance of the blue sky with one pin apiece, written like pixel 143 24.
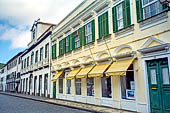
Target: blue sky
pixel 15 23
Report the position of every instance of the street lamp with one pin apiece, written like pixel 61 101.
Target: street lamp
pixel 167 2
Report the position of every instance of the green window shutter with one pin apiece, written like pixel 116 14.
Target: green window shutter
pixel 100 26
pixel 93 30
pixel 55 51
pixel 73 41
pixel 164 7
pixel 69 43
pixel 64 45
pixel 52 51
pixel 62 50
pixel 80 36
pixel 84 35
pixel 126 13
pixel 115 24
pixel 139 10
pixel 60 47
pixel 106 23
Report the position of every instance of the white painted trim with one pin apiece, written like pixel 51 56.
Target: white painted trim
pixel 158 56
pixel 153 24
pixel 124 35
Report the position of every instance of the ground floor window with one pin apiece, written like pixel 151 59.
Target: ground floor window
pixel 128 86
pixel 106 87
pixel 60 85
pixel 90 86
pixel 68 87
pixel 78 86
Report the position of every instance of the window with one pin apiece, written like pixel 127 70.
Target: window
pixel 77 39
pixel 33 34
pixel 60 85
pixel 27 61
pixel 128 85
pixel 103 25
pixel 32 58
pixel 68 87
pixel 106 87
pixel 148 8
pixel 54 51
pixel 151 8
pixel 90 87
pixel 67 44
pixel 78 86
pixel 61 47
pixel 88 32
pixel 47 50
pixel 121 15
pixel 36 56
pixel 41 54
pixel 19 61
pixel 22 66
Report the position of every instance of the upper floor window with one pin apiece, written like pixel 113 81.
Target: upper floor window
pixel 121 15
pixel 148 8
pixel 54 51
pixel 33 34
pixel 41 54
pixel 47 50
pixel 61 46
pixel 36 56
pixel 32 58
pixel 103 25
pixel 151 8
pixel 77 39
pixel 89 32
pixel 27 61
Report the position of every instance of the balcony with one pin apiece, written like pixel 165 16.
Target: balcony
pixel 40 64
pixel 35 66
pixel 46 62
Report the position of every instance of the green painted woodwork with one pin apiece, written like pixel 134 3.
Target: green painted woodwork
pixel 159 92
pixel 54 89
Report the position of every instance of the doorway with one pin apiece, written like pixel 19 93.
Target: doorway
pixel 159 85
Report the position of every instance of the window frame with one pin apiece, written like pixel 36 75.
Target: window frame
pixel 78 82
pixel 36 56
pixel 149 5
pixel 111 88
pixel 41 53
pixel 77 42
pixel 87 35
pixel 93 87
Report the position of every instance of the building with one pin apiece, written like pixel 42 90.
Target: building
pixel 113 53
pixel 12 73
pixel 3 73
pixel 35 70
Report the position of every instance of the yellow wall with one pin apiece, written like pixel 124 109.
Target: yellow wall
pixel 135 40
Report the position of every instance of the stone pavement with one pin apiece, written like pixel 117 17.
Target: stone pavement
pixel 71 104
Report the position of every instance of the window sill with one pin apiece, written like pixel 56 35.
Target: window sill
pixel 124 32
pixel 152 21
pixel 77 50
pixel 68 54
pixel 89 45
pixel 102 41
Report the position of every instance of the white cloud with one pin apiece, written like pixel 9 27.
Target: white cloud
pixel 22 13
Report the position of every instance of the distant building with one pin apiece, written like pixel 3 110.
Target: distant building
pixel 35 71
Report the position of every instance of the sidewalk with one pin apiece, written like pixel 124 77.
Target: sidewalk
pixel 74 105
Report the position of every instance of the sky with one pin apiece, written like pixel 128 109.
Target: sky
pixel 18 16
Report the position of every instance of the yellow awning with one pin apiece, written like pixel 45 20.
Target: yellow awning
pixel 57 76
pixel 73 73
pixel 84 71
pixel 119 67
pixel 98 70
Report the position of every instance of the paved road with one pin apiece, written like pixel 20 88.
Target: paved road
pixel 9 104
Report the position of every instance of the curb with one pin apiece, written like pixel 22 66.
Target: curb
pixel 39 100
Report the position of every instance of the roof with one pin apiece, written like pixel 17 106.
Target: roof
pixel 14 57
pixel 1 65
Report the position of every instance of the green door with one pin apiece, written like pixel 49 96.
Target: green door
pixel 54 89
pixel 159 85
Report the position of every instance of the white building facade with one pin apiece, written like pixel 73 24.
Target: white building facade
pixel 35 74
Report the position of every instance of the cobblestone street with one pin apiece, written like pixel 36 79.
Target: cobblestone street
pixel 9 104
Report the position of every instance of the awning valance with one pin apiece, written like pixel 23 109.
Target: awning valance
pixel 73 73
pixel 57 76
pixel 119 67
pixel 98 70
pixel 84 71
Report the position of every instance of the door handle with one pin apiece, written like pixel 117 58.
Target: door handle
pixel 154 88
